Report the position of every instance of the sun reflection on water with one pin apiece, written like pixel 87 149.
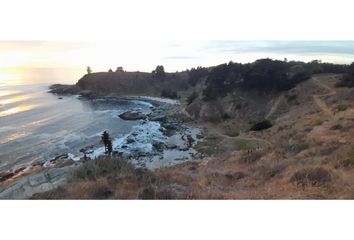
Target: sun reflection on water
pixel 4 93
pixel 14 99
pixel 18 109
pixel 9 79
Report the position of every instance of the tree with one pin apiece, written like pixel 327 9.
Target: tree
pixel 110 70
pixel 196 75
pixel 106 140
pixel 119 69
pixel 159 72
pixel 348 78
pixel 88 69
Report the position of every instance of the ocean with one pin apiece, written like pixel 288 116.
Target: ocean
pixel 37 126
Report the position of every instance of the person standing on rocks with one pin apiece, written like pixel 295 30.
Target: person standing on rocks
pixel 106 140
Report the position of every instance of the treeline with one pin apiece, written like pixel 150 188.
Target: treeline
pixel 348 79
pixel 263 75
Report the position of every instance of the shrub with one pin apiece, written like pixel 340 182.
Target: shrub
pixel 192 97
pixel 241 144
pixel 250 157
pixel 169 94
pixel 270 171
pixel 336 127
pixel 346 163
pixel 291 97
pixel 225 116
pixel 342 107
pixel 100 167
pixel 298 147
pixel 311 177
pixel 265 124
pixel 348 79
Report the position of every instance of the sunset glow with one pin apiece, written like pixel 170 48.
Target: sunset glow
pixel 18 109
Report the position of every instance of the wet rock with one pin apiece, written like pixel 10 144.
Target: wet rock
pixel 168 132
pixel 159 146
pixel 131 116
pixel 170 126
pixel 190 140
pixel 64 89
pixel 158 118
pixel 6 175
pixel 171 146
pixel 37 163
pixel 43 181
pixel 199 136
pixel 87 149
pixel 60 157
pixel 130 140
pixel 20 169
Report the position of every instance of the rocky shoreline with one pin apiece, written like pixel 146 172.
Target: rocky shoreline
pixel 171 142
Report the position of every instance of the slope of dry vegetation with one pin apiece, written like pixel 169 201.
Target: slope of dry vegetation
pixel 308 153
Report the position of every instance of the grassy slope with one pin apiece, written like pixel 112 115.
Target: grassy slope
pixel 307 154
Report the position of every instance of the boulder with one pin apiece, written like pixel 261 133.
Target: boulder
pixel 170 126
pixel 158 118
pixel 131 116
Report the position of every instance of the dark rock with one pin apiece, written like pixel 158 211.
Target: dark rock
pixel 159 146
pixel 169 132
pixel 37 163
pixel 6 175
pixel 130 140
pixel 158 118
pixel 170 126
pixel 87 149
pixel 64 89
pixel 20 169
pixel 131 116
pixel 199 136
pixel 190 141
pixel 60 157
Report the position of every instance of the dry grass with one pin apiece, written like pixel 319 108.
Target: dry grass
pixel 311 177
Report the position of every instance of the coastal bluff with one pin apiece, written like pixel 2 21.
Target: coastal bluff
pixel 123 84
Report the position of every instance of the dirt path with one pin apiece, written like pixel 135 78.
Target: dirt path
pixel 274 106
pixel 317 97
pixel 246 138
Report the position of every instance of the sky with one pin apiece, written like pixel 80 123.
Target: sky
pixel 16 56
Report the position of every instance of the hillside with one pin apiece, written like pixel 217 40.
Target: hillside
pixel 306 154
pixel 272 130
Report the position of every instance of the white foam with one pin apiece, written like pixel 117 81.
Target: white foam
pixel 158 99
